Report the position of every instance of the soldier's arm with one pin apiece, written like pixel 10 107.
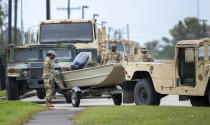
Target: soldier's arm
pixel 105 58
pixel 151 59
pixel 120 57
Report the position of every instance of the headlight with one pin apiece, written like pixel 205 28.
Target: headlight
pixel 25 73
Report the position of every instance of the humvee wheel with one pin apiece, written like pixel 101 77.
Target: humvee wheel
pixel 12 89
pixel 40 93
pixel 117 99
pixel 144 93
pixel 75 99
pixel 199 101
pixel 68 97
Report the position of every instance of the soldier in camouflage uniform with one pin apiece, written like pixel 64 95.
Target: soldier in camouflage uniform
pixel 144 56
pixel 48 76
pixel 113 56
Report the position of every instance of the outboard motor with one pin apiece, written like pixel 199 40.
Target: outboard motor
pixel 80 62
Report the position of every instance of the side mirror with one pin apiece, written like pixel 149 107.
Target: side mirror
pixel 189 55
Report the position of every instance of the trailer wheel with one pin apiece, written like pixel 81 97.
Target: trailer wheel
pixel 144 93
pixel 199 101
pixel 12 89
pixel 117 99
pixel 40 93
pixel 68 97
pixel 75 99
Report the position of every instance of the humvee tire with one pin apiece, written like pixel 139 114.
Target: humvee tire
pixel 40 93
pixel 144 93
pixel 75 99
pixel 199 101
pixel 117 99
pixel 68 97
pixel 12 89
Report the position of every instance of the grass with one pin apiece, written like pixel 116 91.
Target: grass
pixel 143 115
pixel 17 112
pixel 2 93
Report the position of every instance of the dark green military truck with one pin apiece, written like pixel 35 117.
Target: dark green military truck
pixel 25 69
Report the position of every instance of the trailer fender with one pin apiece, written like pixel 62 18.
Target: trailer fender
pixel 76 89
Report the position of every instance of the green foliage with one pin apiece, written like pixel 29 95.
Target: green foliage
pixel 17 112
pixel 2 93
pixel 143 115
pixel 189 29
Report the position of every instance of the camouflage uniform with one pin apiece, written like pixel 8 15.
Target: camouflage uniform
pixel 113 57
pixel 145 57
pixel 48 76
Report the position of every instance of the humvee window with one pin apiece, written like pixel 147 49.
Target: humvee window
pixel 66 32
pixel 61 54
pixel 128 48
pixel 201 53
pixel 119 46
pixel 26 55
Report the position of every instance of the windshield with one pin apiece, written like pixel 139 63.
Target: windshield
pixel 66 32
pixel 119 46
pixel 26 55
pixel 128 49
pixel 61 54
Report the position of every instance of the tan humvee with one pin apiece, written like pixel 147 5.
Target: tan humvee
pixel 187 76
pixel 82 33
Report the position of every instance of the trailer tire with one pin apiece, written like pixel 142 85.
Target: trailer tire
pixel 144 93
pixel 12 89
pixel 75 99
pixel 40 93
pixel 199 101
pixel 68 97
pixel 117 99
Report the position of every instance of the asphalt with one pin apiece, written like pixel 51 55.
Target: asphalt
pixel 63 113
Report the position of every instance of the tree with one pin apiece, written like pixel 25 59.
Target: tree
pixel 153 45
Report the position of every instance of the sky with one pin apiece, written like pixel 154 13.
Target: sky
pixel 148 19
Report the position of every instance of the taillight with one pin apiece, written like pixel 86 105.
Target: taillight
pixel 11 70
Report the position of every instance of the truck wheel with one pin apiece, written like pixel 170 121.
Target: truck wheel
pixel 12 89
pixel 40 93
pixel 75 99
pixel 144 93
pixel 117 99
pixel 199 101
pixel 68 97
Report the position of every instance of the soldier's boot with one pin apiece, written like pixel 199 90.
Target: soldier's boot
pixel 48 104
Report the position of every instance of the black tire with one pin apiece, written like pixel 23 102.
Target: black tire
pixel 199 101
pixel 40 93
pixel 68 97
pixel 144 93
pixel 75 99
pixel 117 99
pixel 12 89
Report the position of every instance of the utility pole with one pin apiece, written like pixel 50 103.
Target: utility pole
pixel 83 11
pixel 94 16
pixel 15 23
pixel 9 22
pixel 48 9
pixel 22 27
pixel 128 32
pixel 109 32
pixel 69 9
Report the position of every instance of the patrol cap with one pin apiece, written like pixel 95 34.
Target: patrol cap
pixel 144 48
pixel 114 45
pixel 51 52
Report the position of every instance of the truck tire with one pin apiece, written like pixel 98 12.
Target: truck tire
pixel 68 97
pixel 12 89
pixel 117 99
pixel 144 93
pixel 40 93
pixel 199 101
pixel 75 99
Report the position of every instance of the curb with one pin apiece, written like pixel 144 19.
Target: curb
pixel 21 97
